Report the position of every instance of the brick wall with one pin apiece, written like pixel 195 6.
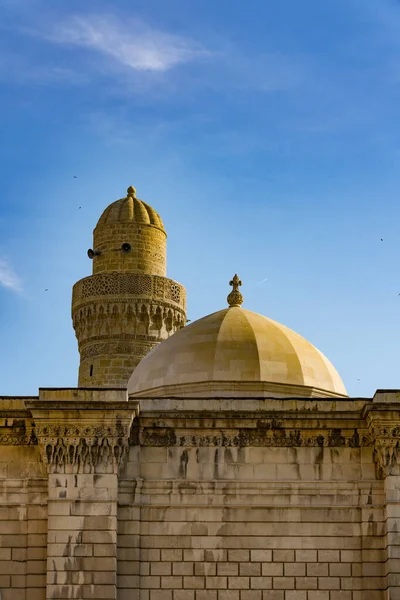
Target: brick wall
pixel 23 524
pixel 251 524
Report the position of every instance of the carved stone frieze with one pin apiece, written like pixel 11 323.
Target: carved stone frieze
pixel 15 439
pixel 384 435
pixel 386 456
pixel 82 439
pixel 124 319
pixel 82 449
pixel 132 284
pixel 250 437
pixel 82 454
pixel 113 348
pixel 17 432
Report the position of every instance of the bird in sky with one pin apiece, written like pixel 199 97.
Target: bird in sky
pixel 80 207
pixel 46 290
pixel 381 239
pixel 75 177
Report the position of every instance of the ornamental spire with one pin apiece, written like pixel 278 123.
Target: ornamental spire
pixel 235 298
pixel 131 191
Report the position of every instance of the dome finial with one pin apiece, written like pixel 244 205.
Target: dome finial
pixel 235 298
pixel 131 191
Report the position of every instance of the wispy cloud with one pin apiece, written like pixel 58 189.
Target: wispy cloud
pixel 132 43
pixel 8 278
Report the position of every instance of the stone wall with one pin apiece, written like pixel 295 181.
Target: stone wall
pixel 199 499
pixel 283 501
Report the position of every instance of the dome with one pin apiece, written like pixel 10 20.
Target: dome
pixel 130 209
pixel 236 352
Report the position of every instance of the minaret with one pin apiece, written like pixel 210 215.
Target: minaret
pixel 127 306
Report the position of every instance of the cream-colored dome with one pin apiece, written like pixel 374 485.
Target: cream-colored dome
pixel 237 353
pixel 130 209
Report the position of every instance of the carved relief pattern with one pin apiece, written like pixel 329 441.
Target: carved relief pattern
pixel 148 286
pixel 128 320
pixel 386 443
pixel 111 349
pixel 254 437
pixel 15 439
pixel 82 448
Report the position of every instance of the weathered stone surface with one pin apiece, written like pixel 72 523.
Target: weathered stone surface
pixel 267 514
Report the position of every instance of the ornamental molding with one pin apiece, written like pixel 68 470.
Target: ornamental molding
pixel 16 439
pixel 110 348
pixel 129 284
pixel 385 439
pixel 82 435
pixel 83 448
pixel 280 438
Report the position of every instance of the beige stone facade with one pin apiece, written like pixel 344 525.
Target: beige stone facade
pixel 158 499
pixel 229 465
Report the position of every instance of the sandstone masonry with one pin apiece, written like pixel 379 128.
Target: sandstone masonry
pixel 279 499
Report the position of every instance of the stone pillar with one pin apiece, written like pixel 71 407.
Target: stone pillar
pixel 83 438
pixel 383 418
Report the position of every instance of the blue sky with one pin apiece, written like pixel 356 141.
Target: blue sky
pixel 266 134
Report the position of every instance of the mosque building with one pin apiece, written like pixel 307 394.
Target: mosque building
pixel 221 460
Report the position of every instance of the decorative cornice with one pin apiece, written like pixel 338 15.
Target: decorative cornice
pixel 82 448
pixel 384 433
pixel 77 437
pixel 245 437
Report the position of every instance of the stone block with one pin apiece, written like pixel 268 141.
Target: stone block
pixel 342 570
pixel 239 583
pixel 104 578
pixel 160 594
pixel 318 569
pixel 161 568
pixel 306 555
pixel 251 595
pixel 306 583
pixel 329 583
pixel 184 595
pixel 194 583
pixel 238 555
pixel 183 568
pixel 295 595
pixel 206 594
pixel 261 555
pixel 35 566
pixel 272 569
pixel 173 582
pixel 294 569
pixel 209 569
pixel 216 583
pixel 283 556
pixel 171 554
pixel 250 569
pixel 228 594
pixel 228 569
pixel 328 556
pixel 151 582
pixel 192 555
pixel 261 583
pixel 283 583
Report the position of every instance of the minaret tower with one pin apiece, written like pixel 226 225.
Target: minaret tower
pixel 127 306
